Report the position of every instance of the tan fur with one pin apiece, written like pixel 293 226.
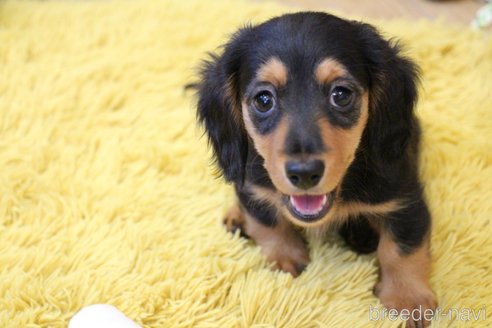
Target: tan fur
pixel 404 280
pixel 234 219
pixel 270 147
pixel 347 209
pixel 341 144
pixel 341 211
pixel 236 110
pixel 274 72
pixel 282 245
pixel 337 215
pixel 266 194
pixel 328 70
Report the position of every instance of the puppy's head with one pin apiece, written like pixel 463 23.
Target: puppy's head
pixel 305 90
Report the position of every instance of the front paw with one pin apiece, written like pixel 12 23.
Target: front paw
pixel 290 258
pixel 234 221
pixel 415 303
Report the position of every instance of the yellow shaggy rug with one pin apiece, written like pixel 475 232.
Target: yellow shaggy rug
pixel 107 194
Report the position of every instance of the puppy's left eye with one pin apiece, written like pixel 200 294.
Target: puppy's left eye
pixel 341 97
pixel 264 101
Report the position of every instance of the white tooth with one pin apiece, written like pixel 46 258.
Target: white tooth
pixel 324 200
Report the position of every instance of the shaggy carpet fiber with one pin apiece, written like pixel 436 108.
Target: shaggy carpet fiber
pixel 107 194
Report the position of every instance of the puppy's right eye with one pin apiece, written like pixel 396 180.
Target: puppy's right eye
pixel 341 97
pixel 264 101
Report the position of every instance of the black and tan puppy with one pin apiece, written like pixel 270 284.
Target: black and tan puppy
pixel 311 117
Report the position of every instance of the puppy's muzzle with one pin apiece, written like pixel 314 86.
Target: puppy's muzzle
pixel 304 175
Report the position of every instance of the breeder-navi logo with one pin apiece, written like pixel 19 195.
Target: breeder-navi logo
pixel 418 314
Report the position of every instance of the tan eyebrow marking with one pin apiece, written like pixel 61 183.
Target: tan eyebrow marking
pixel 273 71
pixel 328 70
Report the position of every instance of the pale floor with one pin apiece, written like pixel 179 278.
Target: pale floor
pixel 457 11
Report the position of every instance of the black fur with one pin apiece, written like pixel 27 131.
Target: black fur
pixel 218 110
pixel 385 166
pixel 255 172
pixel 359 235
pixel 261 211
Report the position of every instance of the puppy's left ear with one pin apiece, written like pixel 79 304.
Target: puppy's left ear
pixel 219 108
pixel 393 94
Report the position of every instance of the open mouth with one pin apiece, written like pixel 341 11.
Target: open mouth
pixel 309 208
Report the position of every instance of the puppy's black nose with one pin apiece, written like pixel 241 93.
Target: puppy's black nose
pixel 304 175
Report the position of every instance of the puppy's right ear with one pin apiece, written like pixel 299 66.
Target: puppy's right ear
pixel 219 108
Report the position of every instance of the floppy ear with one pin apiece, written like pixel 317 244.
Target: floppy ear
pixel 393 94
pixel 219 109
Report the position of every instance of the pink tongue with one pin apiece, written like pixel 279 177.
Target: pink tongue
pixel 308 204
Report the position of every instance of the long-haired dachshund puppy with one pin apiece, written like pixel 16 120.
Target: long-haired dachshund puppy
pixel 311 118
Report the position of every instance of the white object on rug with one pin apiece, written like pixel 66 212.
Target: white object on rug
pixel 101 316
